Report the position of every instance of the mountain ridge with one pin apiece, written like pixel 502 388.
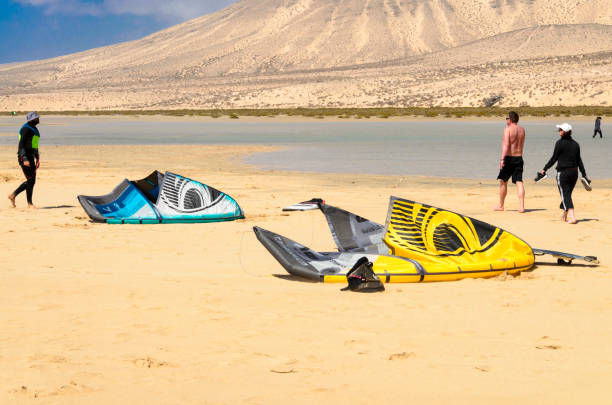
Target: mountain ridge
pixel 266 37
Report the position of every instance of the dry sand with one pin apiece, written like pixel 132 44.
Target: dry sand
pixel 353 53
pixel 193 313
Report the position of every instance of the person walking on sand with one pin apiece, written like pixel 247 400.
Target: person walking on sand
pixel 511 161
pixel 567 156
pixel 597 127
pixel 28 158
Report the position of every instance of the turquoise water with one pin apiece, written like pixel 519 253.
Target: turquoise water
pixel 468 149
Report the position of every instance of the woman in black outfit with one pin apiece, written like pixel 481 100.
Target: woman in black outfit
pixel 567 156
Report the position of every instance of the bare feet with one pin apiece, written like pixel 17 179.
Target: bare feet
pixel 521 210
pixel 498 208
pixel 32 207
pixel 564 217
pixel 572 221
pixel 11 198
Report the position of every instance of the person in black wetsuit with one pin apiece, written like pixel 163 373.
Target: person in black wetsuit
pixel 597 127
pixel 28 158
pixel 567 156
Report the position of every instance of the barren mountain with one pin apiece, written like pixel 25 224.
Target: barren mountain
pixel 291 42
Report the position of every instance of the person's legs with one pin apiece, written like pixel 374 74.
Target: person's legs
pixel 571 217
pixel 562 205
pixel 23 186
pixel 572 179
pixel 567 181
pixel 27 186
pixel 30 190
pixel 503 190
pixel 520 191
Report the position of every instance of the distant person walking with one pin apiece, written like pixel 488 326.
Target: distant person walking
pixel 567 156
pixel 511 161
pixel 597 127
pixel 28 158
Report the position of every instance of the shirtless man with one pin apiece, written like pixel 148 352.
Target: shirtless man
pixel 511 161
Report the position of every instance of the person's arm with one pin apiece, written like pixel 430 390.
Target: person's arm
pixel 554 157
pixel 21 149
pixel 37 156
pixel 505 146
pixel 581 165
pixel 25 145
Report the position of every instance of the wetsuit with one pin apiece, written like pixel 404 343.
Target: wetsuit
pixel 597 128
pixel 513 166
pixel 28 152
pixel 567 156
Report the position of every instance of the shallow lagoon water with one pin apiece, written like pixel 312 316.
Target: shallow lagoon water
pixel 468 149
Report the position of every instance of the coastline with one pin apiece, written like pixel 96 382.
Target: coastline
pixel 302 118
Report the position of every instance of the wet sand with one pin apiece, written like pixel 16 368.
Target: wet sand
pixel 201 313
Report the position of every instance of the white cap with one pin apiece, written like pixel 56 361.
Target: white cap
pixel 565 127
pixel 32 116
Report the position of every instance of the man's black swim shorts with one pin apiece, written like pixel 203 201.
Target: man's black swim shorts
pixel 513 167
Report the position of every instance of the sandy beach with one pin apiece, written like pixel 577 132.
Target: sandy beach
pixel 202 313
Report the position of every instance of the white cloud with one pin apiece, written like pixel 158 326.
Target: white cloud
pixel 175 10
pixel 71 7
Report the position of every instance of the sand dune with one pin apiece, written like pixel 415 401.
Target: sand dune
pixel 252 40
pixel 529 43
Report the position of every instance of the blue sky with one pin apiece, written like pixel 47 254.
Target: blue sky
pixel 39 29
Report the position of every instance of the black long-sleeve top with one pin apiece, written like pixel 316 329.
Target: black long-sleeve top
pixel 567 155
pixel 28 141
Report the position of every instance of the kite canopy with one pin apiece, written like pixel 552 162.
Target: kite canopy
pixel 418 243
pixel 452 245
pixel 161 198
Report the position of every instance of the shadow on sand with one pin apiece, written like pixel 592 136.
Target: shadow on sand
pixel 56 207
pixel 566 266
pixel 290 277
pixel 586 220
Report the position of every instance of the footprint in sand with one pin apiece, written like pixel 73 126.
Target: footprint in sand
pixel 401 356
pixel 6 178
pixel 287 366
pixel 352 342
pixel 71 225
pixel 23 390
pixel 49 358
pixel 548 347
pixel 149 362
pixel 70 388
pixel 67 389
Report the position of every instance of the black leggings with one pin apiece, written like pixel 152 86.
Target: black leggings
pixel 566 181
pixel 596 132
pixel 30 175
